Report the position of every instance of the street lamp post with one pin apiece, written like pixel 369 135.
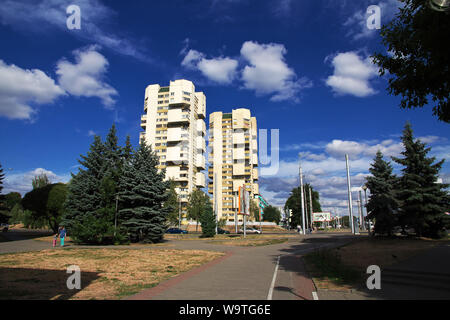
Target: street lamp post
pixel 301 198
pixel 350 209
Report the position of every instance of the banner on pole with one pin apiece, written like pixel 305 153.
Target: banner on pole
pixel 321 216
pixel 244 201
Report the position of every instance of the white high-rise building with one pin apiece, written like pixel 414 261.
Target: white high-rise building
pixel 233 159
pixel 175 128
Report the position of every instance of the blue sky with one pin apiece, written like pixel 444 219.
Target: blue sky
pixel 302 67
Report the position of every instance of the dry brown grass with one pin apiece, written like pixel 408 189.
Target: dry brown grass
pixel 105 273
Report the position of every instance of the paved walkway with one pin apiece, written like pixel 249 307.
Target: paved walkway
pixel 246 273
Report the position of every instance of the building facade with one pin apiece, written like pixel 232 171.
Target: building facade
pixel 175 128
pixel 233 159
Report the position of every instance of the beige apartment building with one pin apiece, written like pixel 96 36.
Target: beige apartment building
pixel 233 159
pixel 175 128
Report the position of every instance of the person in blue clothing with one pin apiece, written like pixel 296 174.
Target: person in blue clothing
pixel 62 235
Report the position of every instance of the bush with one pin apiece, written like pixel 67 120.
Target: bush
pixel 97 230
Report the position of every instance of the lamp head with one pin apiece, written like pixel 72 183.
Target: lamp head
pixel 440 5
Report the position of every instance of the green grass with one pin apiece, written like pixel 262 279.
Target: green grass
pixel 129 290
pixel 325 264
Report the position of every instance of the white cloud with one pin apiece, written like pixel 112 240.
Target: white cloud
pixel 265 71
pixel 352 74
pixel 356 24
pixel 21 89
pixel 338 148
pixel 324 167
pixel 84 78
pixel 21 182
pixel 268 72
pixel 42 16
pixel 221 70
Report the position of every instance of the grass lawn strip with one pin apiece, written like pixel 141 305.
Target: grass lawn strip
pixel 105 273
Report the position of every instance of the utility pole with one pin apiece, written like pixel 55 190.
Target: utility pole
pixel 301 196
pixel 362 212
pixel 115 216
pixel 364 187
pixel 350 209
pixel 310 207
pixel 215 198
pixel 235 205
pixel 179 213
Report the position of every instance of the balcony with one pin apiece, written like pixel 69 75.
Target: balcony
pixel 201 127
pixel 238 153
pixel 200 180
pixel 177 134
pixel 177 116
pixel 200 161
pixel 174 154
pixel 144 121
pixel 200 142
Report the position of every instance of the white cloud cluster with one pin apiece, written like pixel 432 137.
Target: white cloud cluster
pixel 20 89
pixel 268 73
pixel 221 70
pixel 352 74
pixel 21 182
pixel 36 16
pixel 265 70
pixel 84 78
pixel 339 148
pixel 324 167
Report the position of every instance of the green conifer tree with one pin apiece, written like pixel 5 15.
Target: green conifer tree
pixel 84 196
pixel 208 221
pixel 423 201
pixel 382 203
pixel 143 193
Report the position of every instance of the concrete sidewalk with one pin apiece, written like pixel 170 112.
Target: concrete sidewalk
pixel 246 273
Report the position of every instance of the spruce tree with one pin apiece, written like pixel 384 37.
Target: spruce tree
pixel 84 196
pixel 127 151
pixel 143 193
pixel 382 204
pixel 208 221
pixel 423 201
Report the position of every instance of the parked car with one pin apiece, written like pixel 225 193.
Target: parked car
pixel 222 231
pixel 250 230
pixel 176 231
pixel 4 227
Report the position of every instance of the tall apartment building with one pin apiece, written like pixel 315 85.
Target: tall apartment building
pixel 233 158
pixel 175 128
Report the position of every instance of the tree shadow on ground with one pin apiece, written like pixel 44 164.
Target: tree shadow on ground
pixel 39 284
pixel 17 235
